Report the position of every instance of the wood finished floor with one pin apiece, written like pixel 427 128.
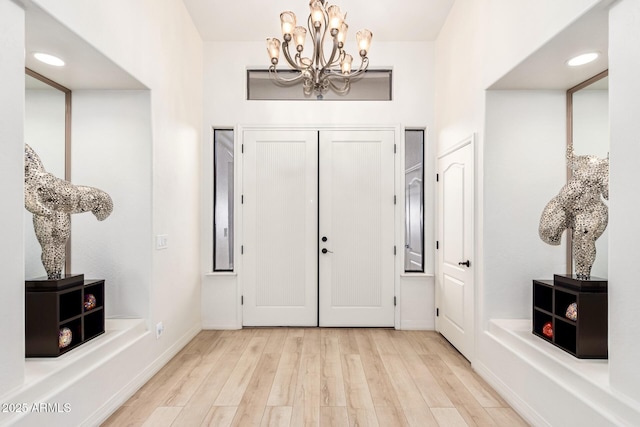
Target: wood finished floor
pixel 316 377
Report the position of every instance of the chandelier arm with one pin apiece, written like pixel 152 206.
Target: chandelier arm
pixel 340 90
pixel 313 33
pixel 364 64
pixel 321 61
pixel 318 52
pixel 273 73
pixel 293 64
pixel 332 58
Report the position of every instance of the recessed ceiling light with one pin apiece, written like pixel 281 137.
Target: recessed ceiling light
pixel 585 58
pixel 49 59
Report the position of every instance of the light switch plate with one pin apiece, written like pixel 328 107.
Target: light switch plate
pixel 162 241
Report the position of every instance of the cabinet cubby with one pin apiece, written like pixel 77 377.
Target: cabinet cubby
pixel 48 310
pixel 586 337
pixel 93 323
pixel 562 302
pixel 70 304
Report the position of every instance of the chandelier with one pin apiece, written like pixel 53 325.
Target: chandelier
pixel 318 72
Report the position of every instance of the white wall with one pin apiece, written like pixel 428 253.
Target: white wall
pixel 624 228
pixel 111 150
pixel 459 97
pixel 491 37
pixel 44 127
pixel 11 189
pixel 226 105
pixel 524 169
pixel 479 43
pixel 44 131
pixel 591 122
pixel 159 46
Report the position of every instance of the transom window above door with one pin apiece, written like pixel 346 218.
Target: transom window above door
pixel 373 85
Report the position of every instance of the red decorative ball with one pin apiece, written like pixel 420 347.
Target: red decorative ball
pixel 547 330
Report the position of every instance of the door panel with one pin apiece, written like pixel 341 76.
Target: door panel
pixel 357 219
pixel 453 304
pixel 455 285
pixel 280 228
pixel 453 209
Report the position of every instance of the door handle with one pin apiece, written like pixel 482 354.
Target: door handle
pixel 325 250
pixel 467 263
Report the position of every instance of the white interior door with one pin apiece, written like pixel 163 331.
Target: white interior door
pixel 280 226
pixel 357 221
pixel 455 287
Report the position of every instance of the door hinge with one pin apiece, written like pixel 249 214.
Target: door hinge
pixel 241 249
pixel 437 177
pixel 394 250
pixel 395 147
pixel 242 199
pixel 437 245
pixel 395 302
pixel 437 312
pixel 242 148
pixel 395 199
pixel 241 299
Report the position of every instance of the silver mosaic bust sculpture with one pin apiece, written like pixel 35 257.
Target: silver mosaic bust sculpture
pixel 579 207
pixel 52 201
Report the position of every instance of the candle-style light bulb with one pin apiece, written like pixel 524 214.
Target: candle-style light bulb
pixel 273 47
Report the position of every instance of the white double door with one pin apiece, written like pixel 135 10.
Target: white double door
pixel 318 228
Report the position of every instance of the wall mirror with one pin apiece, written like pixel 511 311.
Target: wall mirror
pixel 588 130
pixel 47 129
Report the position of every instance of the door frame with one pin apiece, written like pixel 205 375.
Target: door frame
pixel 398 211
pixel 470 140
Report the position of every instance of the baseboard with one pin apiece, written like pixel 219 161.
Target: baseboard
pixel 406 325
pixel 417 325
pixel 112 405
pixel 220 326
pixel 518 404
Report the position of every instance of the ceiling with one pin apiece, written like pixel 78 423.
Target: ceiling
pixel 546 68
pixel 217 20
pixel 253 20
pixel 86 67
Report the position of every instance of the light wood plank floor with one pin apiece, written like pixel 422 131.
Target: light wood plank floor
pixel 316 377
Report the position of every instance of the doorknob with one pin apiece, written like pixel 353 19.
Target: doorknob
pixel 467 263
pixel 325 250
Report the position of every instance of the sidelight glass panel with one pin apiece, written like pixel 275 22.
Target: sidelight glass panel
pixel 223 200
pixel 414 200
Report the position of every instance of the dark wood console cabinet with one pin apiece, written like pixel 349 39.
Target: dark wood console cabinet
pixel 585 338
pixel 47 311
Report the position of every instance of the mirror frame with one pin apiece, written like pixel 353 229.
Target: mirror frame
pixel 67 142
pixel 570 93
